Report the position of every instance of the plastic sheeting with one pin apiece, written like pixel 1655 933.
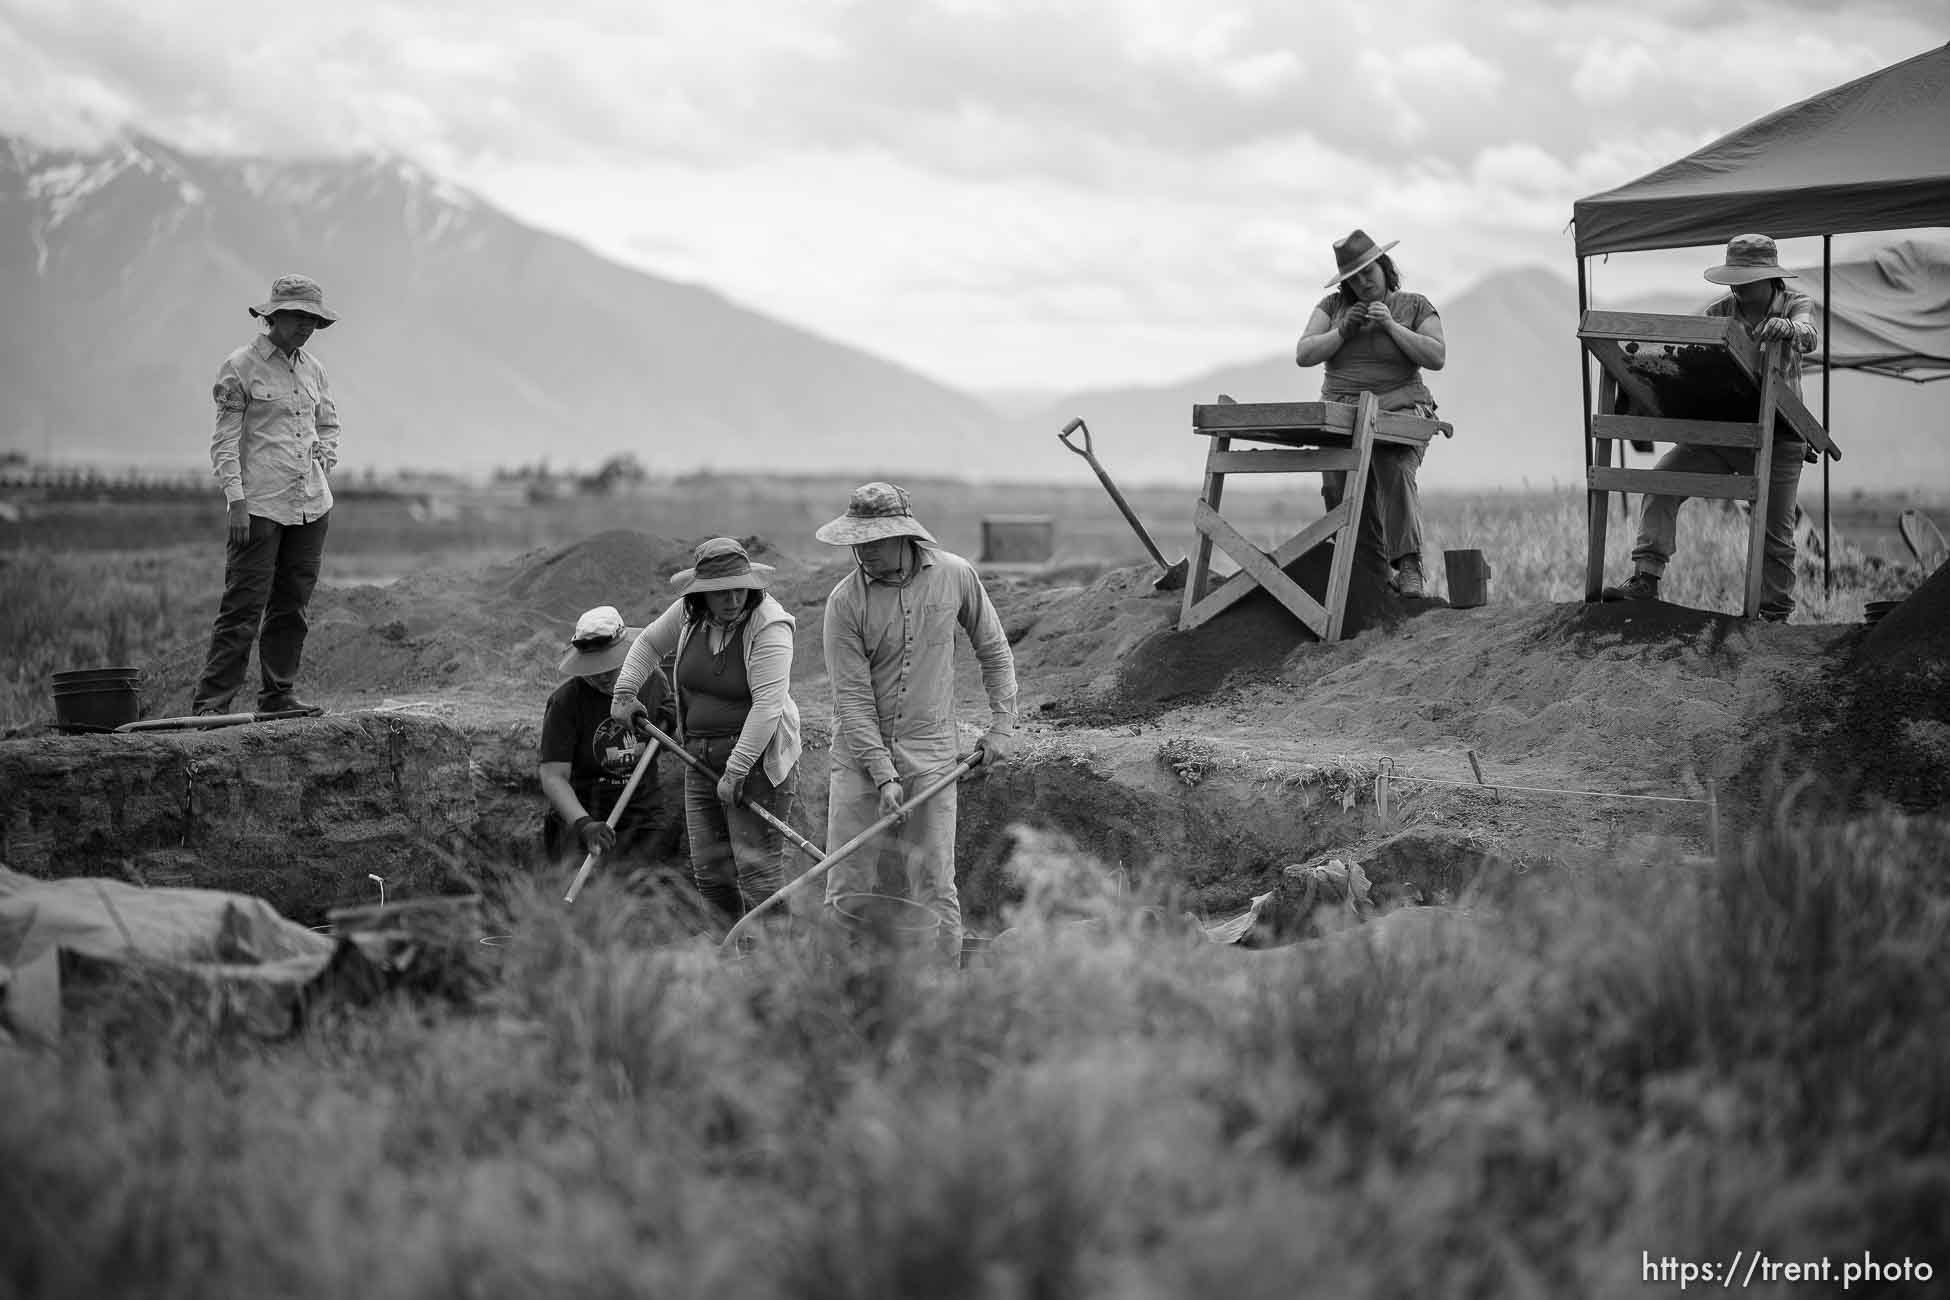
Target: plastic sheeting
pixel 231 955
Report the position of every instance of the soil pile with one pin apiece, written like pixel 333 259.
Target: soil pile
pixel 1111 652
pixel 1883 726
pixel 501 627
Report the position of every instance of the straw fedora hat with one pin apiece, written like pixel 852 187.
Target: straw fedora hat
pixel 875 510
pixel 297 293
pixel 721 564
pixel 1749 258
pixel 1354 253
pixel 600 643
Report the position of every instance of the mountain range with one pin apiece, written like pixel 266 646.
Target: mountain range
pixel 472 341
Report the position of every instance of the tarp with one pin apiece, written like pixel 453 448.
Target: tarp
pixel 1891 311
pixel 231 956
pixel 1873 154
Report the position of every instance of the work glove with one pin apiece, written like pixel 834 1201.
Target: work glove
pixel 1351 322
pixel 731 789
pixel 993 748
pixel 633 713
pixel 597 836
pixel 891 798
pixel 237 519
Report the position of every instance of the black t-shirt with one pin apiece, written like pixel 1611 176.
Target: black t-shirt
pixel 601 752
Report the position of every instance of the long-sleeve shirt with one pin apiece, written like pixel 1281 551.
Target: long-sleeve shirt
pixel 277 433
pixel 1798 308
pixel 890 652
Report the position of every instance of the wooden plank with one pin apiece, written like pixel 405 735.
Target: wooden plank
pixel 1201 567
pixel 1260 567
pixel 1804 423
pixel 1612 359
pixel 1705 433
pixel 1654 327
pixel 1232 417
pixel 1671 483
pixel 1304 461
pixel 1240 585
pixel 1341 572
pixel 1771 388
pixel 1597 503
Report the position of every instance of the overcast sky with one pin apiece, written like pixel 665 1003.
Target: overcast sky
pixel 1051 193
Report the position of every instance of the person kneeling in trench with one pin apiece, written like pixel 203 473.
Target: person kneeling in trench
pixel 587 757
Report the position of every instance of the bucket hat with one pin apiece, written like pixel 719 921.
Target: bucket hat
pixel 721 565
pixel 600 643
pixel 875 510
pixel 1749 258
pixel 297 293
pixel 1354 253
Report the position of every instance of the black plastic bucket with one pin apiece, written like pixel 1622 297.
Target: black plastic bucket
pixel 97 699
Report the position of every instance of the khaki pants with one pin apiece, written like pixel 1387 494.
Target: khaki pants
pixel 916 857
pixel 1659 519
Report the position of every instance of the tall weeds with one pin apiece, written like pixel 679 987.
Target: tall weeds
pixel 1676 1057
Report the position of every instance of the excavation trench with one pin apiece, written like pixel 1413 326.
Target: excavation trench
pixel 306 813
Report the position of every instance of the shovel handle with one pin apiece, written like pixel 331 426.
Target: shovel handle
pixel 765 814
pixel 1117 498
pixel 615 815
pixel 1086 450
pixel 827 863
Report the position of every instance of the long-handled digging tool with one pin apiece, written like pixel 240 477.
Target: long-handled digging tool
pixel 615 815
pixel 826 863
pixel 765 814
pixel 1173 576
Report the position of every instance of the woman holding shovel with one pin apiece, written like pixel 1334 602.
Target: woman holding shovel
pixel 733 645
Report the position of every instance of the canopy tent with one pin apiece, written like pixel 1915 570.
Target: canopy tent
pixel 1870 155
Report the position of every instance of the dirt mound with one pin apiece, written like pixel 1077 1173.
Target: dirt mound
pixel 1882 729
pixel 1111 652
pixel 493 627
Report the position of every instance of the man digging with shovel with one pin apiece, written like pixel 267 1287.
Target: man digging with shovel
pixel 890 652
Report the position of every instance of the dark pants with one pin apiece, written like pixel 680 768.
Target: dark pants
pixel 267 582
pixel 737 858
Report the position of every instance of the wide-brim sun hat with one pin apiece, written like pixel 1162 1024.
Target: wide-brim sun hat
pixel 1353 255
pixel 1749 258
pixel 601 642
pixel 875 511
pixel 297 293
pixel 721 564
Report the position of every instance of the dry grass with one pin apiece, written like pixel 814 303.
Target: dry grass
pixel 1752 1054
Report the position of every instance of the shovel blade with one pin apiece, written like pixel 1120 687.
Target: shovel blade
pixel 1172 579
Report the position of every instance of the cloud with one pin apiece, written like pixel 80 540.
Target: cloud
pixel 994 191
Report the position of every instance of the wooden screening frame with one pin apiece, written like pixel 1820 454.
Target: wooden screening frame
pixel 1604 336
pixel 1304 438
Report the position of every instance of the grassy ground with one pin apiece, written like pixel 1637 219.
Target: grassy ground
pixel 1682 1059
pixel 135 589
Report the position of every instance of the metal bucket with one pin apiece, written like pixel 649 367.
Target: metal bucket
pixel 97 699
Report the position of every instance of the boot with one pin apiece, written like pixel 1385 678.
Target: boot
pixel 1408 578
pixel 1640 586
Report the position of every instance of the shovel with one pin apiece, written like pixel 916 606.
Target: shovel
pixel 765 814
pixel 827 863
pixel 615 815
pixel 1173 576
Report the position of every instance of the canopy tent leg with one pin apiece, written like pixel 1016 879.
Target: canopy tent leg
pixel 1827 382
